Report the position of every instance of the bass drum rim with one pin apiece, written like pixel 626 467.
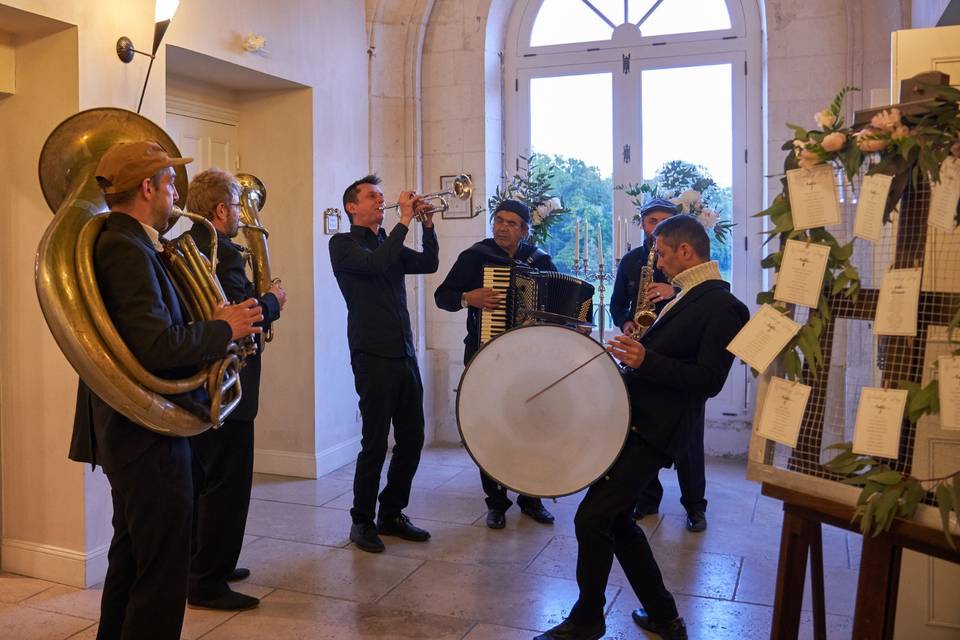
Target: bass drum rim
pixel 506 485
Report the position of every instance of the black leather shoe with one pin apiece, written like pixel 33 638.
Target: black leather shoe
pixel 640 511
pixel 400 526
pixel 239 573
pixel 538 512
pixel 676 629
pixel 566 630
pixel 696 521
pixel 496 519
pixel 230 601
pixel 365 536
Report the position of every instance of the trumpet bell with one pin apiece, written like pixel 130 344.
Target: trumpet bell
pixel 462 186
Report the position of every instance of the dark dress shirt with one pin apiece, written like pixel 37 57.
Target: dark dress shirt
pixel 467 275
pixel 370 270
pixel 623 300
pixel 237 287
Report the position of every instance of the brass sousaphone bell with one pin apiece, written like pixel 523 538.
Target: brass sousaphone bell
pixel 69 295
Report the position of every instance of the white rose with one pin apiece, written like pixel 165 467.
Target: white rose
pixel 833 141
pixel 708 218
pixel 553 204
pixel 886 120
pixel 825 118
pixel 539 214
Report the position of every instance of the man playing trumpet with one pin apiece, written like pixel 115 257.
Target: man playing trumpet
pixel 370 267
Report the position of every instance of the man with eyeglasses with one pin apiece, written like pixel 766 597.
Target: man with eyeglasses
pixel 223 458
pixel 463 289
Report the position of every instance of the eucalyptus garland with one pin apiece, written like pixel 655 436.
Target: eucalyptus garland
pixel 910 149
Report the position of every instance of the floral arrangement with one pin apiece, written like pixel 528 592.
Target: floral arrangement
pixel 910 148
pixel 691 202
pixel 532 186
pixel 690 188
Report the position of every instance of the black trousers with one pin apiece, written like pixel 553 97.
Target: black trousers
pixel 605 528
pixel 497 495
pixel 146 585
pixel 390 390
pixel 691 475
pixel 222 480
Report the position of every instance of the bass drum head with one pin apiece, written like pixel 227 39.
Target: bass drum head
pixel 561 441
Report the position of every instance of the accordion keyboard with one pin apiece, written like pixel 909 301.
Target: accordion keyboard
pixel 493 323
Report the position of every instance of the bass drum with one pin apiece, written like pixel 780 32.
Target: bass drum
pixel 564 439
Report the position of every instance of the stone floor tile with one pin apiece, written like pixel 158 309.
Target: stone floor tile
pixel 247 539
pixel 705 574
pixel 455 456
pixel 720 537
pixel 429 504
pixel 495 632
pixel 79 603
pixel 197 622
pixel 466 482
pixel 299 523
pixel 509 598
pixel 285 614
pixel 25 623
pixel 298 490
pixel 758 582
pixel 475 545
pixel 14 588
pixel 350 574
pixel 90 633
pixel 706 619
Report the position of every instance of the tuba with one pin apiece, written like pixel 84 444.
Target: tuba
pixel 253 196
pixel 645 313
pixel 70 297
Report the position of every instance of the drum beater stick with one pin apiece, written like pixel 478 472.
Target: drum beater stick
pixel 565 376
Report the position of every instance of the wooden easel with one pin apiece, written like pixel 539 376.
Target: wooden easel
pixel 879 578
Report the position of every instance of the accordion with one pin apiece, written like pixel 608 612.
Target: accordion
pixel 529 293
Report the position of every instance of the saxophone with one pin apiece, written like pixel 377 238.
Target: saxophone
pixel 644 314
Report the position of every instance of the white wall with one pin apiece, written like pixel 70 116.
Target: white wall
pixel 56 514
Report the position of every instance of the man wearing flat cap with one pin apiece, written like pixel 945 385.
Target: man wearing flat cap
pixel 689 462
pixel 150 474
pixel 463 289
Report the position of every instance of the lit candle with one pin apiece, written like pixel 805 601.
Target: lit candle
pixel 600 244
pixel 576 248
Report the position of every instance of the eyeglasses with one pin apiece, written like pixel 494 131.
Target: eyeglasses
pixel 232 204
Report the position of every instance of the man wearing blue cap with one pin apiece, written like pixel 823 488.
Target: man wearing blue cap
pixel 463 289
pixel 689 462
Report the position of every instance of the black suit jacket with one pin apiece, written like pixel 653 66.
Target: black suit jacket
pixel 237 287
pixel 686 363
pixel 143 304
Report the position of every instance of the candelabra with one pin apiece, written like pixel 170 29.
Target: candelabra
pixel 602 277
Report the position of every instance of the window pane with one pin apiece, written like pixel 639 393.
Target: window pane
pixel 571 122
pixel 687 115
pixel 561 21
pixel 686 16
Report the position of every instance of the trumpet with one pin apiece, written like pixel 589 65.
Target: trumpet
pixel 462 190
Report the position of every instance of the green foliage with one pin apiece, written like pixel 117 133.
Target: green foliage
pixel 921 400
pixel 533 185
pixel 888 494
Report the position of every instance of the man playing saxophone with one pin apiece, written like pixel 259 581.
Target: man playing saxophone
pixel 223 458
pixel 149 473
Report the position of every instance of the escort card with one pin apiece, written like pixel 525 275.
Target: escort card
pixel 879 418
pixel 949 383
pixel 800 278
pixel 783 407
pixel 897 307
pixel 813 197
pixel 868 222
pixel 763 337
pixel 945 195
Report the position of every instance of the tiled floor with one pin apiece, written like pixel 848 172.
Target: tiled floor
pixel 468 582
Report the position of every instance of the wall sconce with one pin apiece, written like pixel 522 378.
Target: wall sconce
pixel 125 50
pixel 331 221
pixel 254 43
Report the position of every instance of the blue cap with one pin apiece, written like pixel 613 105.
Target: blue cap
pixel 515 206
pixel 657 204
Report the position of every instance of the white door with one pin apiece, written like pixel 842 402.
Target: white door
pixel 208 142
pixel 929 602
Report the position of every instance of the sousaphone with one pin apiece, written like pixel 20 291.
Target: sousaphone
pixel 69 296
